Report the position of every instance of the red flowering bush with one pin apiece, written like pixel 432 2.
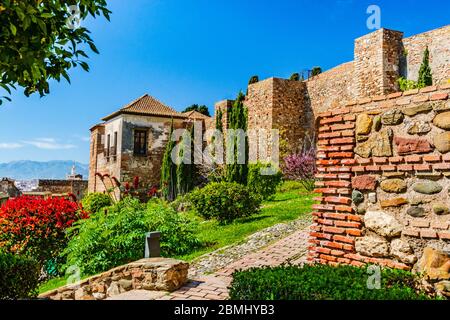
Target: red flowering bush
pixel 36 227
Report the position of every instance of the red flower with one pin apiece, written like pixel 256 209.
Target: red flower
pixel 152 192
pixel 136 182
pixel 37 226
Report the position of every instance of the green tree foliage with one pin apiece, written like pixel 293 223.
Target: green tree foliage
pixel 253 79
pixel 316 71
pixel 178 177
pixel 295 77
pixel 425 76
pixel 263 179
pixel 168 171
pixel 199 108
pixel 219 118
pixel 186 168
pixel 38 42
pixel 236 172
pixel 19 276
pixel 95 201
pixel 406 84
pixel 106 241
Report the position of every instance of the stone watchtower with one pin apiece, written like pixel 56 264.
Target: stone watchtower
pixel 280 104
pixel 377 62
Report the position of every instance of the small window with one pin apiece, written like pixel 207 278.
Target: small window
pixel 114 150
pixel 108 146
pixel 140 142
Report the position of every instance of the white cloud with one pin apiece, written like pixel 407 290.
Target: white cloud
pixel 11 145
pixel 49 144
pixel 82 138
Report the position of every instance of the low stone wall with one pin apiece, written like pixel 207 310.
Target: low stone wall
pixel 75 187
pixel 159 274
pixel 384 179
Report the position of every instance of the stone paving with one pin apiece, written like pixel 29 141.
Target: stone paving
pixel 291 249
pixel 224 256
pixel 210 275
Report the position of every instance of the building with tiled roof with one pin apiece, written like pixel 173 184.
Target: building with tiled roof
pixel 130 142
pixel 146 105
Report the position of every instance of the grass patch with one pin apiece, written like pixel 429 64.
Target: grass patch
pixel 55 283
pixel 291 201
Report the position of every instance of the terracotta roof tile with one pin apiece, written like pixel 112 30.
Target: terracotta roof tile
pixel 195 115
pixel 146 105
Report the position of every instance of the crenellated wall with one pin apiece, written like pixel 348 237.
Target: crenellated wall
pixel 384 180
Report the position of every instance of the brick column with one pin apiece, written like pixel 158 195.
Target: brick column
pixel 335 225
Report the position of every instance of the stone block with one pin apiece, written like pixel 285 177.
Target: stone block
pixel 412 145
pixel 382 223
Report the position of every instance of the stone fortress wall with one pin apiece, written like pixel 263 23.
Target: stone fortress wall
pixel 383 155
pixel 380 58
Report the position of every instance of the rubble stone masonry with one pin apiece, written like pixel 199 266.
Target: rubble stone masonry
pixel 383 179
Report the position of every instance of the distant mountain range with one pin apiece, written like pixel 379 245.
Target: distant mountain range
pixel 28 170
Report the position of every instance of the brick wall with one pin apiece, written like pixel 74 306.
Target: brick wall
pixel 383 179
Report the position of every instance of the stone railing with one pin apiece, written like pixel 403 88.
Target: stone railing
pixel 158 274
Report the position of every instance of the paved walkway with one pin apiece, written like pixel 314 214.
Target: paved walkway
pixel 291 249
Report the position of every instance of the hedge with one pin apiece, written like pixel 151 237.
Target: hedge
pixel 19 276
pixel 322 282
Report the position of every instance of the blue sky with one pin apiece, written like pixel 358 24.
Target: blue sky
pixel 184 52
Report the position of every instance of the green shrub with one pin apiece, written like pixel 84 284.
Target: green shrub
pixel 224 201
pixel 295 77
pixel 264 185
pixel 322 282
pixel 316 71
pixel 19 276
pixel 108 240
pixel 290 185
pixel 95 201
pixel 425 76
pixel 406 84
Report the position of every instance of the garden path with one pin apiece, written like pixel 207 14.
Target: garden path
pixel 291 248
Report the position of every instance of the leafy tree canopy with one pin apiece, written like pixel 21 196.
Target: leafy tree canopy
pixel 40 40
pixel 316 71
pixel 195 107
pixel 425 76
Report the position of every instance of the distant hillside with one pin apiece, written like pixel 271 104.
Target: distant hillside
pixel 28 170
